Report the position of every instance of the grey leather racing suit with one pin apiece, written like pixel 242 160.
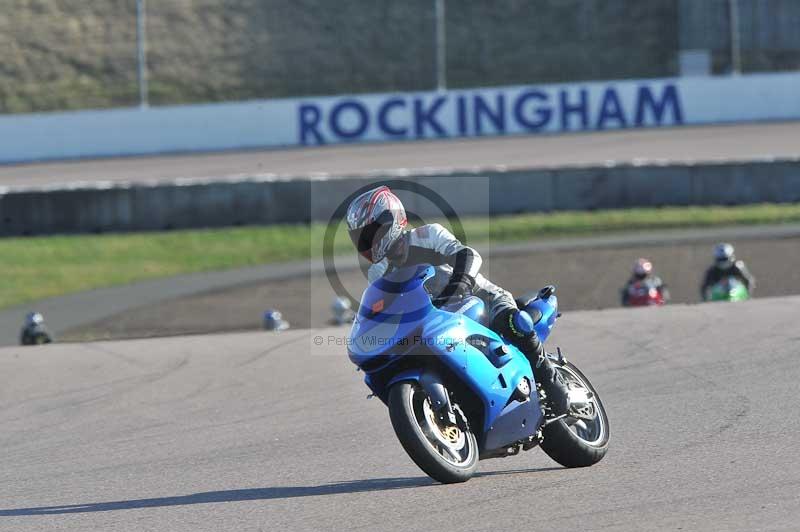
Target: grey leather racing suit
pixel 435 245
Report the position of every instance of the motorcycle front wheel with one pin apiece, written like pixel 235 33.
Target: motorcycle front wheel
pixel 578 441
pixel 444 452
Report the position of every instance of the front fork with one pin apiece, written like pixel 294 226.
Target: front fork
pixel 439 397
pixel 446 412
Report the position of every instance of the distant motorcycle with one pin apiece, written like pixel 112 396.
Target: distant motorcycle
pixel 643 294
pixel 458 392
pixel 36 335
pixel 728 289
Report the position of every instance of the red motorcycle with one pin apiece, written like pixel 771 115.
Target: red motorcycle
pixel 642 294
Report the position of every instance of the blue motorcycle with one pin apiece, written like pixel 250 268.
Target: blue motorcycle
pixel 457 392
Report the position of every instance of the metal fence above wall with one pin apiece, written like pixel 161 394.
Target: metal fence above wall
pixel 743 35
pixel 74 54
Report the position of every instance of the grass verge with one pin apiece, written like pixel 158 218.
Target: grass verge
pixel 40 267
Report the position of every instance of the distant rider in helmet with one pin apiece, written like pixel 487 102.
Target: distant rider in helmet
pixel 273 321
pixel 34 331
pixel 376 221
pixel 342 311
pixel 643 273
pixel 726 265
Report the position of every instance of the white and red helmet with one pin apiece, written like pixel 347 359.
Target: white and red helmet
pixel 375 220
pixel 724 255
pixel 642 268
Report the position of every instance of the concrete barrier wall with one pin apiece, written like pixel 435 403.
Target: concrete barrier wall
pixel 556 108
pixel 300 200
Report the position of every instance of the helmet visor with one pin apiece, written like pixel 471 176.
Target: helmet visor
pixel 366 239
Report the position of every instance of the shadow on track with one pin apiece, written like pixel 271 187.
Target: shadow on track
pixel 254 494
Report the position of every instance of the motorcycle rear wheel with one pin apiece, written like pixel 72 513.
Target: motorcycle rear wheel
pixel 574 442
pixel 445 453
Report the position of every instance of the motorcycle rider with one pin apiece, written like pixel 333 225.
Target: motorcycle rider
pixel 643 272
pixel 34 331
pixel 342 311
pixel 273 321
pixel 376 222
pixel 726 265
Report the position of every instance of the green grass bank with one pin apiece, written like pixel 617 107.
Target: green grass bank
pixel 39 267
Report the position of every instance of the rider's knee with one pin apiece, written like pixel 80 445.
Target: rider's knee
pixel 518 327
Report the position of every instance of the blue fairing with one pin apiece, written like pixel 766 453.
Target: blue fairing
pixel 391 309
pixel 397 322
pixel 473 307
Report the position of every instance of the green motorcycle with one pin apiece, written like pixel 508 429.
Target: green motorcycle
pixel 729 289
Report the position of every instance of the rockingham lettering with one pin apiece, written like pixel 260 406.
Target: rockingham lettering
pixel 384 123
pixel 610 109
pixel 495 114
pixel 503 111
pixel 348 120
pixel 426 114
pixel 669 100
pixel 526 105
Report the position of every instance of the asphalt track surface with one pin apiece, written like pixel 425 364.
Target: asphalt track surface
pixel 264 431
pixel 716 143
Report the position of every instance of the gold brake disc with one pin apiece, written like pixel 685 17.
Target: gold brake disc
pixel 451 433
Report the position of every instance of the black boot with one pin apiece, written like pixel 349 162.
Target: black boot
pixel 518 327
pixel 553 384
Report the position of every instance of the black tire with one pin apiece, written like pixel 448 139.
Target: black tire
pixel 566 447
pixel 417 445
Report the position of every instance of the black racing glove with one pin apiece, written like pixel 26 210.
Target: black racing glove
pixel 460 286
